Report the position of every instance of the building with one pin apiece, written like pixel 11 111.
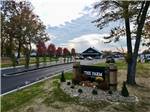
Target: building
pixel 91 52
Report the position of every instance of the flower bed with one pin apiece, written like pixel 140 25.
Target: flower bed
pixel 87 94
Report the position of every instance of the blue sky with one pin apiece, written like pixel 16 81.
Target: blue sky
pixel 69 24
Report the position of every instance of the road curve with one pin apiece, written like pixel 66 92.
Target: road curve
pixel 10 83
pixel 13 82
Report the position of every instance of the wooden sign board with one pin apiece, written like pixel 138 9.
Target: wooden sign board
pixel 94 71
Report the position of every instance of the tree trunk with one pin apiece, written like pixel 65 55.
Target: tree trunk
pixel 37 60
pixel 129 43
pixel 27 56
pixel 131 78
pixel 19 49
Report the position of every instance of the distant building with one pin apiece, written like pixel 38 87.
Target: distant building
pixel 91 52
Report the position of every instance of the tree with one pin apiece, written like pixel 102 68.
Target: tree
pixel 42 50
pixel 20 27
pixel 62 79
pixel 124 91
pixel 66 53
pixel 58 53
pixel 132 13
pixel 51 51
pixel 146 39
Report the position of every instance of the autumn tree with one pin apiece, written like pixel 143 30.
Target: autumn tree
pixel 66 54
pixel 51 51
pixel 20 27
pixel 41 50
pixel 132 13
pixel 58 53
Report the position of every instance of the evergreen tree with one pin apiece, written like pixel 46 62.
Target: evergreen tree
pixel 124 91
pixel 62 79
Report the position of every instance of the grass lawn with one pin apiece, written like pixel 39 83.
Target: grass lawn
pixel 142 68
pixel 48 97
pixel 7 62
pixel 19 98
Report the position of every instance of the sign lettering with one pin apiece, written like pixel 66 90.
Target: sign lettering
pixel 94 71
pixel 90 73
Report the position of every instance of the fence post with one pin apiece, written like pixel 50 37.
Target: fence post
pixel 112 77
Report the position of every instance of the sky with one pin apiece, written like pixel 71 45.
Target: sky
pixel 68 23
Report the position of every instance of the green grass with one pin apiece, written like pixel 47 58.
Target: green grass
pixel 16 99
pixel 68 76
pixel 143 69
pixel 22 61
pixel 58 95
pixel 123 65
pixel 120 64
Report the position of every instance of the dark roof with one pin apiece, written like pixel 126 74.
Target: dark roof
pixel 90 50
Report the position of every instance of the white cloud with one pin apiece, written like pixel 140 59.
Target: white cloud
pixel 93 40
pixel 56 12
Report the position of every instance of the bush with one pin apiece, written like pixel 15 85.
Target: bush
pixel 72 87
pixel 99 79
pixel 124 91
pixel 94 92
pixel 68 83
pixel 80 91
pixel 110 92
pixel 103 85
pixel 75 82
pixel 62 79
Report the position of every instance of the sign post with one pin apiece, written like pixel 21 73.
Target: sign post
pixel 113 77
pixel 76 71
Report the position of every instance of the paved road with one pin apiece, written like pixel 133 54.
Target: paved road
pixel 9 83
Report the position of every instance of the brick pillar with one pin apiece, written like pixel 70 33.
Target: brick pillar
pixel 76 71
pixel 113 77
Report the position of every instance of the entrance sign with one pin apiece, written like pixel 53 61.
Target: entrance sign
pixel 94 71
pixel 109 74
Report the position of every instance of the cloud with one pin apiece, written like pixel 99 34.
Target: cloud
pixel 56 12
pixel 93 40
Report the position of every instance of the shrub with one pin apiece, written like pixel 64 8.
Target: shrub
pixel 80 91
pixel 62 79
pixel 68 83
pixel 124 91
pixel 94 92
pixel 103 85
pixel 110 92
pixel 72 87
pixel 75 82
pixel 99 79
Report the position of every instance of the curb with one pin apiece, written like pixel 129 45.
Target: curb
pixel 18 66
pixel 17 73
